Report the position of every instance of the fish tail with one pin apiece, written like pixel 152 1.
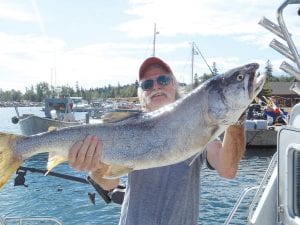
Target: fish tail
pixel 9 161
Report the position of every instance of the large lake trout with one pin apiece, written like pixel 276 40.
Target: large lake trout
pixel 145 140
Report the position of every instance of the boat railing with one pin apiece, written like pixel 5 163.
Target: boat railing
pixel 2 222
pixel 29 220
pixel 238 203
pixel 260 189
pixel 262 186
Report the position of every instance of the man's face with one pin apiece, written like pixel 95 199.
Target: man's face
pixel 159 95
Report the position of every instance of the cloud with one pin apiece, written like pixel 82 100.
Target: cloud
pixel 11 11
pixel 204 18
pixel 27 59
pixel 31 58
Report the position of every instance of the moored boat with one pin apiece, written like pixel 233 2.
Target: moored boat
pixel 261 129
pixel 58 113
pixel 262 137
pixel 33 124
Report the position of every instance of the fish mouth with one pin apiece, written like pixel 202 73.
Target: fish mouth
pixel 256 81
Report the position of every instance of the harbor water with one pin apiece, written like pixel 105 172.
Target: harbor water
pixel 69 200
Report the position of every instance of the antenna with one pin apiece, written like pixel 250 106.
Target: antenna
pixel 199 52
pixel 192 61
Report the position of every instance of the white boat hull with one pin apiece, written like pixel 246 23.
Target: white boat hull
pixel 266 137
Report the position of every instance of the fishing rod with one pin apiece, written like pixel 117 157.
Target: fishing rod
pixel 116 195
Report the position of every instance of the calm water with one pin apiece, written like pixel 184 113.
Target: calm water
pixel 69 202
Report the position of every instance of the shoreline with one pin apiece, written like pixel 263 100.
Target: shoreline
pixel 20 104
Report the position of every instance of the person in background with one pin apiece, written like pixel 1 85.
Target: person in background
pixel 270 115
pixel 166 195
pixel 276 116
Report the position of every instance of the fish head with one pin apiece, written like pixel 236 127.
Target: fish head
pixel 231 93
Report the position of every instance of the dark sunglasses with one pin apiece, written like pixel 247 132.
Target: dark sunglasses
pixel 162 80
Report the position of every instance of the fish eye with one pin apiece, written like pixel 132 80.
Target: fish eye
pixel 240 77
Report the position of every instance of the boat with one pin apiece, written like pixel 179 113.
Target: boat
pixel 277 198
pixel 261 137
pixel 58 113
pixel 261 128
pixel 80 105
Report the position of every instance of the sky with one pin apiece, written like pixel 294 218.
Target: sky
pixel 96 43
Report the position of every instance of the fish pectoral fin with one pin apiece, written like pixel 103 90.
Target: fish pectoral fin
pixel 115 171
pixel 54 159
pixel 52 128
pixel 117 116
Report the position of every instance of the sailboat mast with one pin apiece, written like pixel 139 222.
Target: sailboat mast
pixel 154 39
pixel 192 63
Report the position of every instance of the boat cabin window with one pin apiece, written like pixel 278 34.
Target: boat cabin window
pixel 56 108
pixel 60 107
pixel 296 185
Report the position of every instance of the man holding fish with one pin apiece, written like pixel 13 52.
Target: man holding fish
pixel 168 194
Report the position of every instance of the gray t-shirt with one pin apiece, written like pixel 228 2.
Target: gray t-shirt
pixel 166 195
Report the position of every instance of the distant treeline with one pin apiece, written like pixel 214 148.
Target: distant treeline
pixel 42 90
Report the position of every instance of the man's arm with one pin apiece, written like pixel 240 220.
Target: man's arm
pixel 225 157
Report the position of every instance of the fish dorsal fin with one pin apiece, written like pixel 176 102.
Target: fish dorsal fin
pixel 54 159
pixel 117 116
pixel 115 171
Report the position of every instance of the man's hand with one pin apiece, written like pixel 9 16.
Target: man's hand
pixel 85 156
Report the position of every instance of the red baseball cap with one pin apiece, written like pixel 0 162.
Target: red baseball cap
pixel 151 61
